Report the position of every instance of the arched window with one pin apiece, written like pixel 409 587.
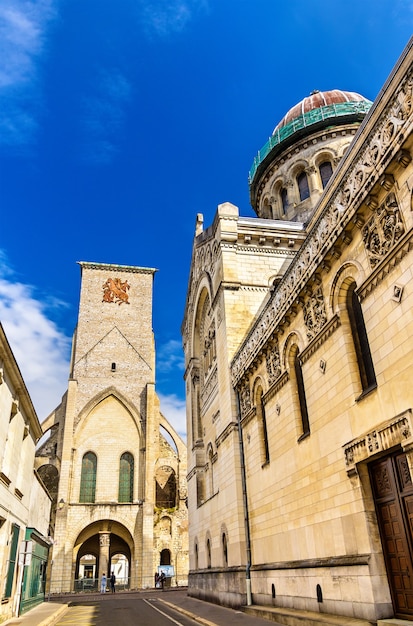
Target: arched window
pixel 88 478
pixel 326 172
pixel 196 557
pixel 303 188
pixel 284 200
pixel 165 487
pixel 360 340
pixel 299 380
pixel 225 549
pixel 211 471
pixel 262 423
pixel 165 557
pixel 126 472
pixel 208 550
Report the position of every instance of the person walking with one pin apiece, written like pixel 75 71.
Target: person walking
pixel 112 582
pixel 103 583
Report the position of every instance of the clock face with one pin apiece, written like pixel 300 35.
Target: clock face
pixel 114 290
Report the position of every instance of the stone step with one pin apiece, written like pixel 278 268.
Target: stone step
pixel 394 622
pixel 294 617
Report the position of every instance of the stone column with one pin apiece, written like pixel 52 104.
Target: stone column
pixel 104 545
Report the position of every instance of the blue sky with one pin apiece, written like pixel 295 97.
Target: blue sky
pixel 120 120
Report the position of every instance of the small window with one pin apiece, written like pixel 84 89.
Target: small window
pixel 303 188
pixel 284 200
pixel 326 172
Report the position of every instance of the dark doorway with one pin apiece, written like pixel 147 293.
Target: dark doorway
pixel 393 496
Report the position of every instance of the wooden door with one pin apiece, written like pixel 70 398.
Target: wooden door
pixel 393 495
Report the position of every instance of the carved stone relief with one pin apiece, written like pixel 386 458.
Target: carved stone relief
pixel 369 163
pixel 273 363
pixel 114 290
pixel 315 315
pixel 383 230
pixel 245 399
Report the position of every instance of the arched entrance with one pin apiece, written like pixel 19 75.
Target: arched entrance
pixel 102 547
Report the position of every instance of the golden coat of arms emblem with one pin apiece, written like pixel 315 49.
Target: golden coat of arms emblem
pixel 114 290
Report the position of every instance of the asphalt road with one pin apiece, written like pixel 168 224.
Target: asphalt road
pixel 123 612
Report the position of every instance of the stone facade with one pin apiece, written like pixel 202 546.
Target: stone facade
pixel 24 502
pixel 109 441
pixel 300 414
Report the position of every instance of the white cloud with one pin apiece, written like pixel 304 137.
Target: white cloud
pixel 170 356
pixel 23 25
pixel 174 409
pixel 41 350
pixel 164 17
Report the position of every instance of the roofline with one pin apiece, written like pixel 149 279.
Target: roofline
pixel 117 268
pixel 19 385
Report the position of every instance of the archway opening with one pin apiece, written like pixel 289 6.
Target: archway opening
pixel 89 567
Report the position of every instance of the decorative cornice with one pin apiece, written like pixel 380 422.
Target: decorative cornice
pixel 117 268
pixel 249 416
pixel 275 388
pixel 397 430
pixel 403 247
pixel 346 560
pixel 319 339
pixel 371 157
pixel 230 428
pixel 259 250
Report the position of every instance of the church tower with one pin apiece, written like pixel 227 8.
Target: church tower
pixel 121 467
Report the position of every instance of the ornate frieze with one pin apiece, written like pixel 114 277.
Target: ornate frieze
pixel 245 398
pixel 314 312
pixel 383 230
pixel 327 330
pixel 400 250
pixel 390 433
pixel 273 363
pixel 369 164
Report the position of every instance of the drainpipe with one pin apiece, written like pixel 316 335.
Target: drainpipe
pixel 245 505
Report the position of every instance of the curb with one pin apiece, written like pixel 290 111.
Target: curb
pixel 52 619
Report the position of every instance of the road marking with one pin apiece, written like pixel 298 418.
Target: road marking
pixel 164 614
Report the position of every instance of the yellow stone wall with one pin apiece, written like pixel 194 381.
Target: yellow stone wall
pixel 311 511
pixel 111 408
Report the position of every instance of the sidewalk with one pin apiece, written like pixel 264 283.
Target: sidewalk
pixel 205 613
pixel 46 614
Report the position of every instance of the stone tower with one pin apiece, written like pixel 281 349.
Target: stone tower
pixel 119 465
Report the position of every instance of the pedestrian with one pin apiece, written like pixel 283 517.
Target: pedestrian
pixel 103 583
pixel 162 579
pixel 156 580
pixel 112 582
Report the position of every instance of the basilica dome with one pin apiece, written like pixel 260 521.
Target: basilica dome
pixel 291 170
pixel 336 102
